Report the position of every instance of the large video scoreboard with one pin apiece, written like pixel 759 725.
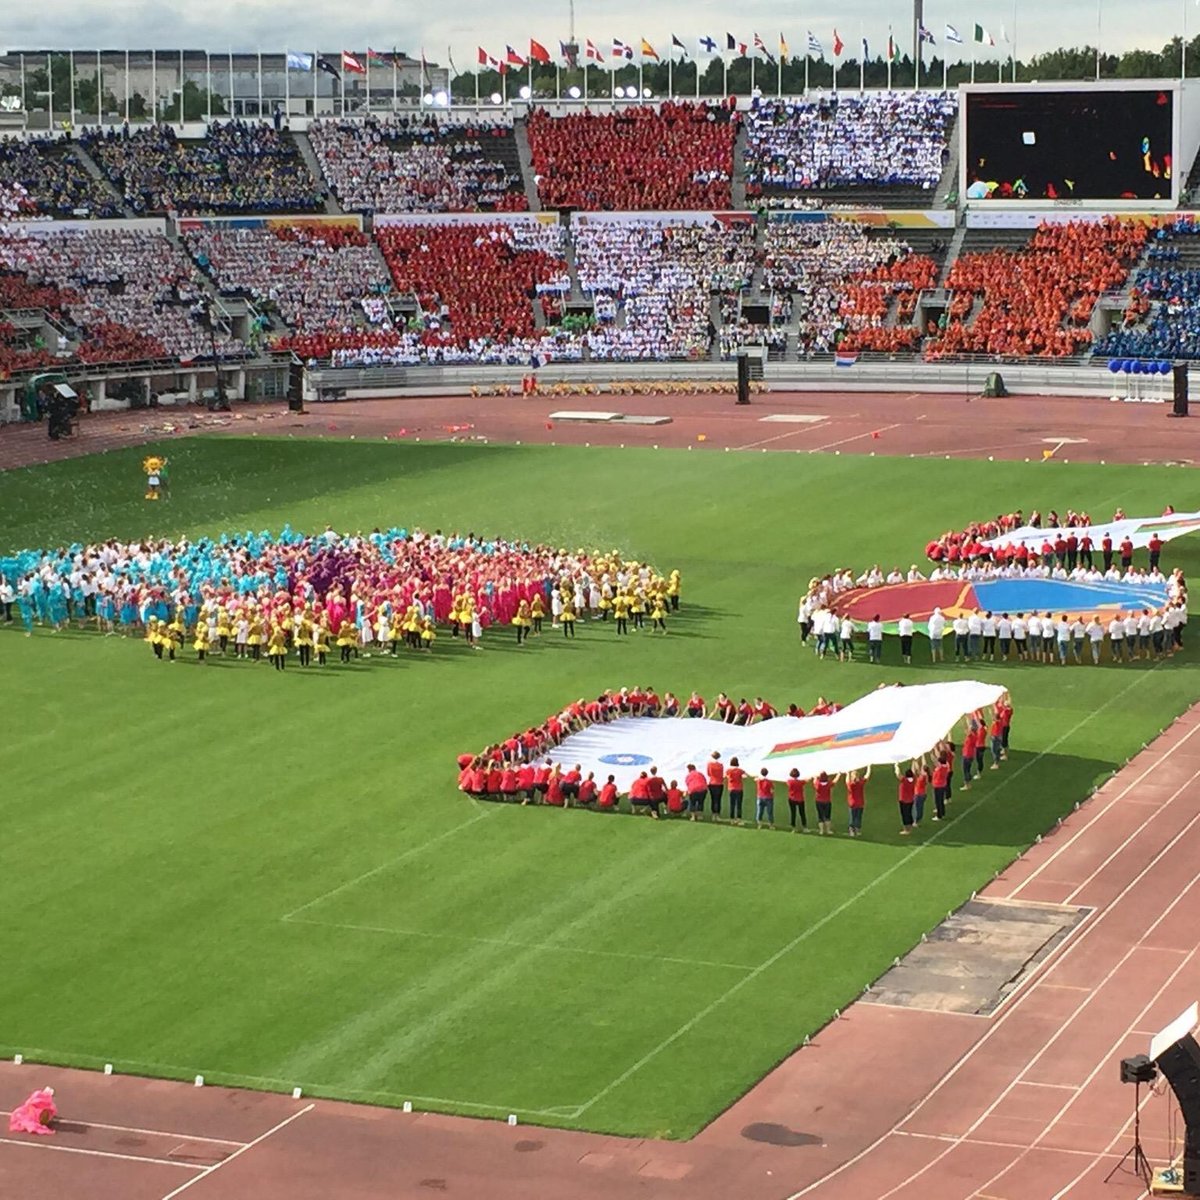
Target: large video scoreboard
pixel 1061 143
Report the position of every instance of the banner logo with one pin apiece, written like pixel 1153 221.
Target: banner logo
pixel 873 735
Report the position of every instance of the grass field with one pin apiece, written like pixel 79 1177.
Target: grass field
pixel 273 880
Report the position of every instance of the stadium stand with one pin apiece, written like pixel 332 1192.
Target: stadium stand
pixel 853 291
pixel 403 165
pixel 1162 318
pixel 474 284
pixel 887 148
pixel 239 167
pixel 124 296
pixel 651 283
pixel 676 156
pixel 316 279
pixel 1036 301
pixel 43 177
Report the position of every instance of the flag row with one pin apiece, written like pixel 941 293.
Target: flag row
pixel 707 46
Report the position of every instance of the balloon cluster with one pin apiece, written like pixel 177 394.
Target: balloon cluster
pixel 1137 366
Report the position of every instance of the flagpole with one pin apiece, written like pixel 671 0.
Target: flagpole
pixel 585 87
pixel 476 81
pixel 698 76
pixel 946 67
pixel 641 66
pixel 973 44
pixel 99 91
pixel 807 57
pixel 862 59
pixel 1099 27
pixel 671 75
pixel 71 62
pixel 368 81
pixel 889 59
pixel 724 76
pixel 557 82
pixel 50 79
pixel 154 87
pixel 753 57
pixel 260 87
pixel 181 87
pixel 126 85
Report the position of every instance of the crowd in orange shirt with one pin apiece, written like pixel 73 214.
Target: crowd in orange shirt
pixel 1039 300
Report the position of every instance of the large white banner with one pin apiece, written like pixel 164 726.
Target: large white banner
pixel 890 725
pixel 1139 530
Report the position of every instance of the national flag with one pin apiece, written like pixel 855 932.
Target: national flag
pixel 352 64
pixel 378 56
pixel 924 36
pixel 844 358
pixel 759 44
pixel 784 52
pixel 512 57
pixel 814 46
pixel 1003 36
pixel 983 37
pixel 538 52
pixel 676 44
pixel 485 59
pixel 866 51
pixel 323 64
pixel 893 50
pixel 299 62
pixel 872 735
pixel 952 35
pixel 731 43
pixel 707 44
pixel 591 52
pixel 620 50
pixel 648 51
pixel 839 45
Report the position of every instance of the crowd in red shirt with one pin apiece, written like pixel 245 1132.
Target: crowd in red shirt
pixel 509 770
pixel 964 545
pixel 676 156
pixel 1039 300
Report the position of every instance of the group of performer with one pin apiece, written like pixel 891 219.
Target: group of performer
pixel 260 597
pixel 1072 542
pixel 517 770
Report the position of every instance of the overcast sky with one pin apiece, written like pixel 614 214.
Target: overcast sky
pixel 280 24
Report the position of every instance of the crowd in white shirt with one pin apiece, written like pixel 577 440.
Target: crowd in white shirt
pixel 1002 637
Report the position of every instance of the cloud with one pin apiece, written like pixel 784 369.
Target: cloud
pixel 247 25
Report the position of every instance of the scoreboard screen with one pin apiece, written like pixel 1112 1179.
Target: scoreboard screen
pixel 1070 145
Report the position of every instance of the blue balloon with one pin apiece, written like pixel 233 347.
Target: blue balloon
pixel 1127 365
pixel 1139 367
pixel 1114 365
pixel 1164 368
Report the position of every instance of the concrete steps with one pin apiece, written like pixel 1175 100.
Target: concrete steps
pixel 525 158
pixel 92 167
pixel 332 207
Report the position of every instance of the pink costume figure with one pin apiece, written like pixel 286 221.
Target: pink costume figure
pixel 36 1115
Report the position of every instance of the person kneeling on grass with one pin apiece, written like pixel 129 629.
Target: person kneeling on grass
pixel 586 796
pixel 676 801
pixel 608 796
pixel 639 796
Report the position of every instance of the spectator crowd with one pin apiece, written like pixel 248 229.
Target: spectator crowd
pixel 43 177
pixel 403 165
pixel 880 139
pixel 238 167
pixel 678 155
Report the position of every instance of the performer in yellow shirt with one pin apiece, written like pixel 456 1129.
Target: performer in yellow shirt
pixel 347 638
pixel 522 621
pixel 277 646
pixel 537 610
pixel 428 634
pixel 621 612
pixel 200 642
pixel 567 618
pixel 304 639
pixel 658 614
pixel 321 641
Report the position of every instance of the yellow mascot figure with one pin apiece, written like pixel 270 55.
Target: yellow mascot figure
pixel 155 467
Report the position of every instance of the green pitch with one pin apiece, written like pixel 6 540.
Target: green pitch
pixel 272 880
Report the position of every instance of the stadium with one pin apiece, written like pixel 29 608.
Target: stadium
pixel 718 515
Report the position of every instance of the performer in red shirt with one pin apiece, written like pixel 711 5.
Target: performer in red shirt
pixel 795 795
pixel 554 789
pixel 856 798
pixel 639 795
pixel 1155 547
pixel 525 782
pixel 657 790
pixel 587 791
pixel 696 786
pixel 508 783
pixel 920 791
pixel 734 777
pixel 968 755
pixel 823 789
pixel 676 801
pixel 1106 547
pixel 906 796
pixel 764 806
pixel 715 770
pixel 1126 554
pixel 941 786
pixel 541 779
pixel 608 795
